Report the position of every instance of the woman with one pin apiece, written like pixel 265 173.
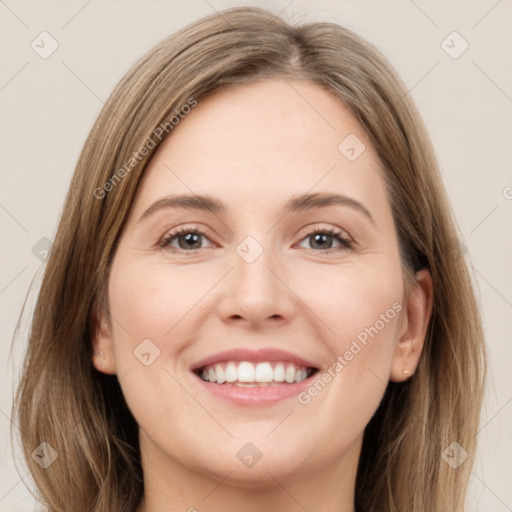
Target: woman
pixel 255 299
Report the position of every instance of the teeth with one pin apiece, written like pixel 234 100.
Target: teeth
pixel 289 374
pixel 231 372
pixel 221 376
pixel 264 373
pixel 300 375
pixel 246 374
pixel 279 372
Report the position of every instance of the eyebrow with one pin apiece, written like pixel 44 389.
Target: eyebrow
pixel 302 202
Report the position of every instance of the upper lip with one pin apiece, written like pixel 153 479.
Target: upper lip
pixel 254 356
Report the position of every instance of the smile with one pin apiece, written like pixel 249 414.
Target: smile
pixel 254 377
pixel 248 374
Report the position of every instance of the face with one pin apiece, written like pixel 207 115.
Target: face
pixel 264 314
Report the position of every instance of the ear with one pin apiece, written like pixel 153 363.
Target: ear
pixel 103 349
pixel 415 322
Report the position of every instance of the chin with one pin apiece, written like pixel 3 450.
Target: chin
pixel 252 464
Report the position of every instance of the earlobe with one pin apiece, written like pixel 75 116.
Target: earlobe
pixel 103 351
pixel 417 313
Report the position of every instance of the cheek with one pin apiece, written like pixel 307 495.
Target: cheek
pixel 360 310
pixel 347 305
pixel 149 305
pixel 357 304
pixel 151 300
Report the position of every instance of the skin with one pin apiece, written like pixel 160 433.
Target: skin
pixel 253 147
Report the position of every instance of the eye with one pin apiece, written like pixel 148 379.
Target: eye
pixel 324 239
pixel 187 239
pixel 327 240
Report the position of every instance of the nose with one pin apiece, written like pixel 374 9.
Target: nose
pixel 257 293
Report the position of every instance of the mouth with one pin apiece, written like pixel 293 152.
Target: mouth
pixel 254 378
pixel 249 374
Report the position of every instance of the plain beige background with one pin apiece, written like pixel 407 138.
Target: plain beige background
pixel 49 104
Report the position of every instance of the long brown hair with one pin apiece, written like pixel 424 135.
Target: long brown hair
pixel 63 401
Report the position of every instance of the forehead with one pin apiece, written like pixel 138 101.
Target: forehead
pixel 265 140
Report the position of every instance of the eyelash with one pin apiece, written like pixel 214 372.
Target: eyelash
pixel 340 236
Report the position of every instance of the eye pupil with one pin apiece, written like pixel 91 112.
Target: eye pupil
pixel 321 239
pixel 190 240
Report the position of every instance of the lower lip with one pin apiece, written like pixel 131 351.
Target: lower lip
pixel 255 396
